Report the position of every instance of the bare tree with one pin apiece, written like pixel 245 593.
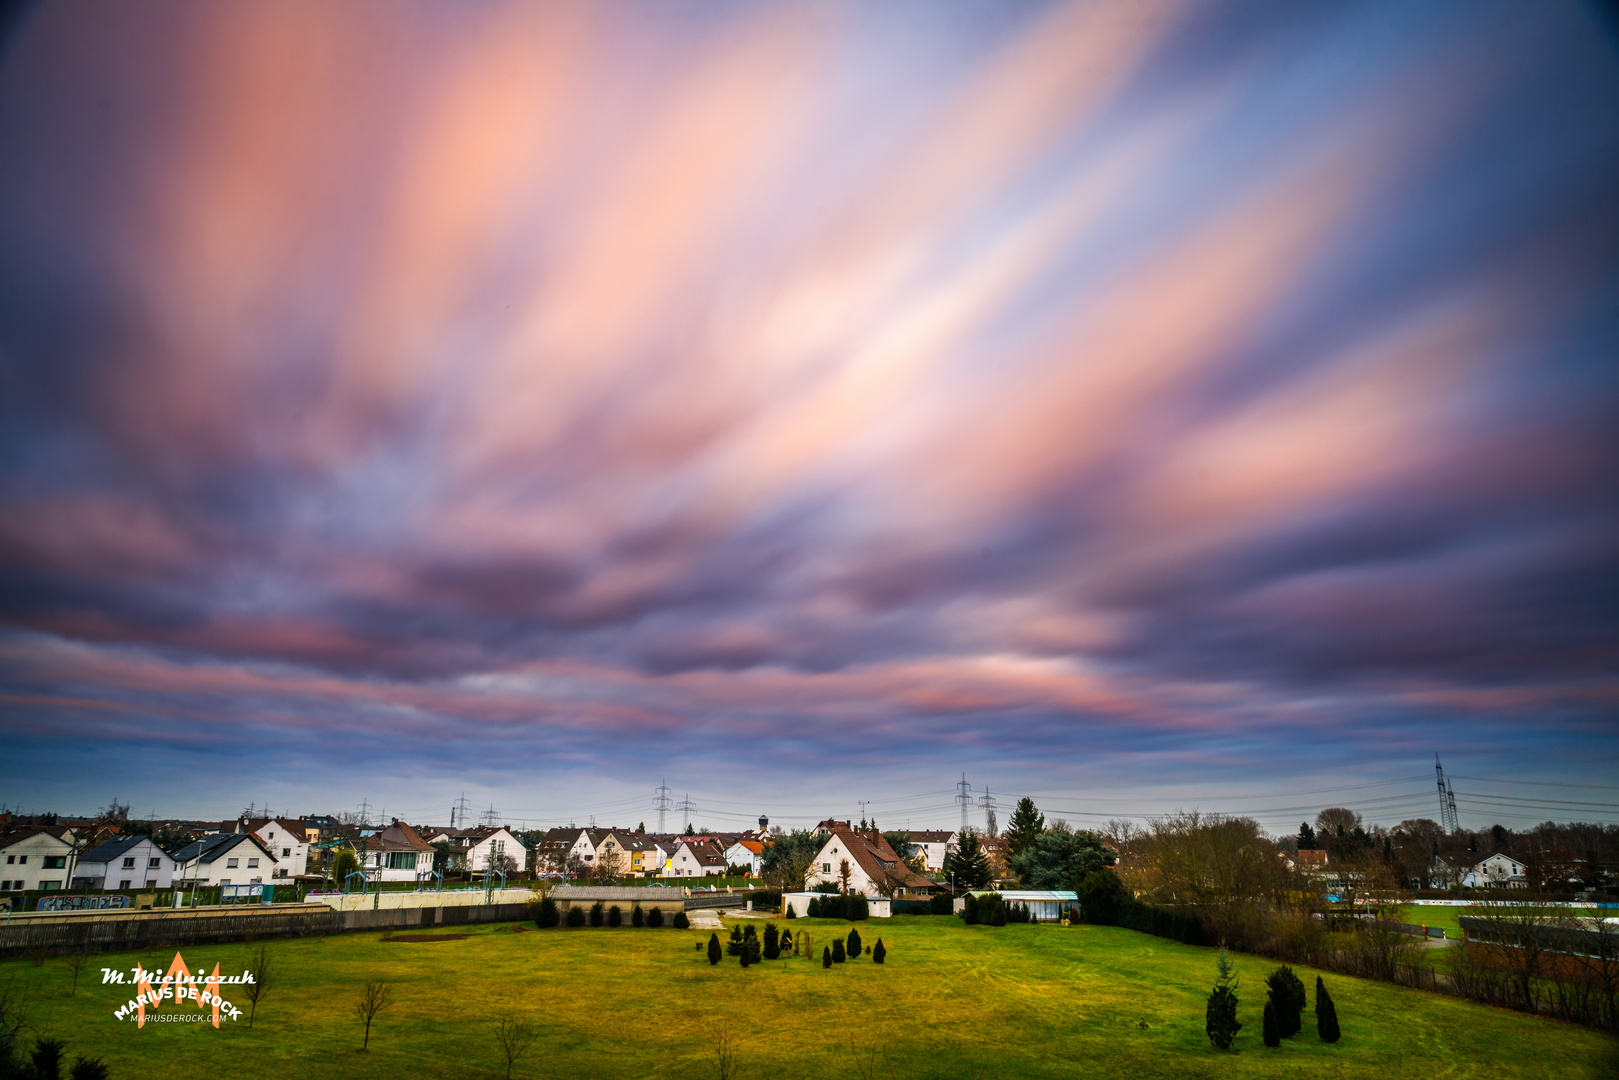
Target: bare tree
pixel 610 863
pixel 261 974
pixel 376 997
pixel 514 1036
pixel 724 1054
pixel 76 963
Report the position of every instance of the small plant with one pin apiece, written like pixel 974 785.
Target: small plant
pixel 1326 1013
pixel 576 916
pixel 263 975
pixel 1273 1034
pixel 546 915
pixel 733 946
pixel 654 919
pixel 725 1054
pixel 826 958
pixel 853 946
pixel 597 914
pixel 814 909
pixel 714 950
pixel 791 914
pixel 1220 1018
pixel 76 963
pixel 680 921
pixel 514 1037
pixel 615 917
pixel 374 999
pixel 837 951
pixel 47 1058
pixel 637 916
pixel 878 952
pixel 88 1069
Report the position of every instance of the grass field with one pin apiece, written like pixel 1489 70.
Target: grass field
pixel 952 1001
pixel 1446 916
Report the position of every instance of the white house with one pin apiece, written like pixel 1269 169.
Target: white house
pixel 1498 869
pixel 125 862
pixel 935 844
pixel 490 846
pixel 287 842
pixel 695 858
pixel 748 854
pixel 224 859
pixel 36 857
pixel 396 853
pixel 865 864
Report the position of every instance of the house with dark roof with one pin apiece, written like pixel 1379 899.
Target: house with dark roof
pixel 934 845
pixel 866 864
pixel 396 853
pixel 224 859
pixel 125 862
pixel 695 858
pixel 36 857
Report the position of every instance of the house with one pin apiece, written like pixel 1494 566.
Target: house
pixel 396 853
pixel 125 862
pixel 827 827
pixel 36 857
pixel 318 827
pixel 864 863
pixel 655 855
pixel 748 854
pixel 285 839
pixel 488 848
pixel 233 858
pixel 934 845
pixel 1497 870
pixel 695 858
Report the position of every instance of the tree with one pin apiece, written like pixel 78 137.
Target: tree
pixel 854 946
pixel 1273 1036
pixel 715 953
pixel 680 922
pixel 1306 837
pixel 47 1058
pixel 1026 824
pixel 1287 993
pixel 1337 821
pixel 1101 897
pixel 1060 858
pixel 787 860
pixel 344 863
pixel 89 1069
pixel 547 915
pixel 654 918
pixel 968 867
pixel 1326 1013
pixel 637 916
pixel 76 963
pixel 845 874
pixel 597 914
pixel 878 952
pixel 374 999
pixel 1220 1018
pixel 615 917
pixel 826 958
pixel 576 916
pixel 837 951
pixel 640 830
pixel 261 976
pixel 772 947
pixel 514 1037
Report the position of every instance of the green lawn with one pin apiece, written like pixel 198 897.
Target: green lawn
pixel 952 1001
pixel 1446 916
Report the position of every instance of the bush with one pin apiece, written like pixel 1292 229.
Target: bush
pixel 733 946
pixel 969 910
pixel 745 957
pixel 857 908
pixel 1101 897
pixel 772 947
pixel 853 948
pixel 837 951
pixel 878 952
pixel 596 913
pixel 89 1069
pixel 791 914
pixel 814 909
pixel 637 916
pixel 1273 1037
pixel 654 918
pixel 615 917
pixel 826 958
pixel 714 952
pixel 1326 1013
pixel 765 898
pixel 940 903
pixel 576 916
pixel 681 922
pixel 547 915
pixel 1220 1018
pixel 1288 994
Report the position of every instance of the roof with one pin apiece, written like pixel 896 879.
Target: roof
pixel 752 845
pixel 397 837
pixel 707 854
pixel 932 836
pixel 1029 895
pixel 212 847
pixel 878 859
pixel 28 832
pixel 113 848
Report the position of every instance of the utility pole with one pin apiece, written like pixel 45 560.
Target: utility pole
pixel 964 796
pixel 662 803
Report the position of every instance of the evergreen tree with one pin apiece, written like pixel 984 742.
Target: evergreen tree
pixel 826 958
pixel 1307 840
pixel 968 866
pixel 576 916
pixel 1326 1013
pixel 714 950
pixel 1273 1037
pixel 547 915
pixel 814 909
pixel 878 952
pixel 733 947
pixel 837 951
pixel 745 957
pixel 654 918
pixel 680 921
pixel 615 917
pixel 1024 827
pixel 969 910
pixel 596 913
pixel 854 945
pixel 791 912
pixel 750 945
pixel 1220 1018
pixel 1288 993
pixel 772 949
pixel 637 916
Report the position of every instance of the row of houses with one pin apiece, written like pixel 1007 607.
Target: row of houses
pixel 1493 871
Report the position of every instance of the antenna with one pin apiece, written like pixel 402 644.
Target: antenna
pixel 1447 800
pixel 661 802
pixel 964 796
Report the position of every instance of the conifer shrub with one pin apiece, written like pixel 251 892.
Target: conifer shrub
pixel 615 917
pixel 750 944
pixel 547 915
pixel 969 910
pixel 791 913
pixel 596 913
pixel 1273 1036
pixel 856 908
pixel 680 921
pixel 853 947
pixel 772 946
pixel 1220 1018
pixel 637 916
pixel 878 952
pixel 940 903
pixel 733 947
pixel 1326 1013
pixel 745 957
pixel 814 909
pixel 826 958
pixel 1287 992
pixel 714 951
pixel 654 918
pixel 576 916
pixel 837 951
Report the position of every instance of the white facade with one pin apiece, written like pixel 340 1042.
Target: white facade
pixel 739 854
pixel 36 860
pixel 225 859
pixel 498 843
pixel 287 844
pixel 934 846
pixel 798 904
pixel 685 862
pixel 1496 870
pixel 827 868
pixel 118 866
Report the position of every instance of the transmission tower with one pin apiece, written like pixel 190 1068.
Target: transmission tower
pixel 459 812
pixel 662 803
pixel 964 796
pixel 1447 800
pixel 987 803
pixel 490 816
pixel 686 806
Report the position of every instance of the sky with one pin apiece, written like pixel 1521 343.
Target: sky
pixel 1135 406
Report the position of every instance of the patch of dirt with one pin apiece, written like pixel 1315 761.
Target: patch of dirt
pixel 427 937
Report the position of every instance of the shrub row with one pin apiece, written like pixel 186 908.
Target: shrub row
pixel 852 907
pixel 749 948
pixel 547 915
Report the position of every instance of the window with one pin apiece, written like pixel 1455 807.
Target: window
pixel 151 883
pixel 224 881
pixel 5 886
pixel 124 884
pixel 401 860
pixel 231 864
pixel 129 863
pixel 55 862
pixel 826 868
pixel 286 851
pixel 44 885
pixel 153 864
pixel 252 863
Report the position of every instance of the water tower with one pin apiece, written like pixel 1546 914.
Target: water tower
pixel 764 823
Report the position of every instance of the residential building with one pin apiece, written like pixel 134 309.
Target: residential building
pixel 695 858
pixel 36 857
pixel 1497 870
pixel 224 858
pixel 748 854
pixel 131 861
pixel 395 853
pixel 285 839
pixel 934 845
pixel 864 863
